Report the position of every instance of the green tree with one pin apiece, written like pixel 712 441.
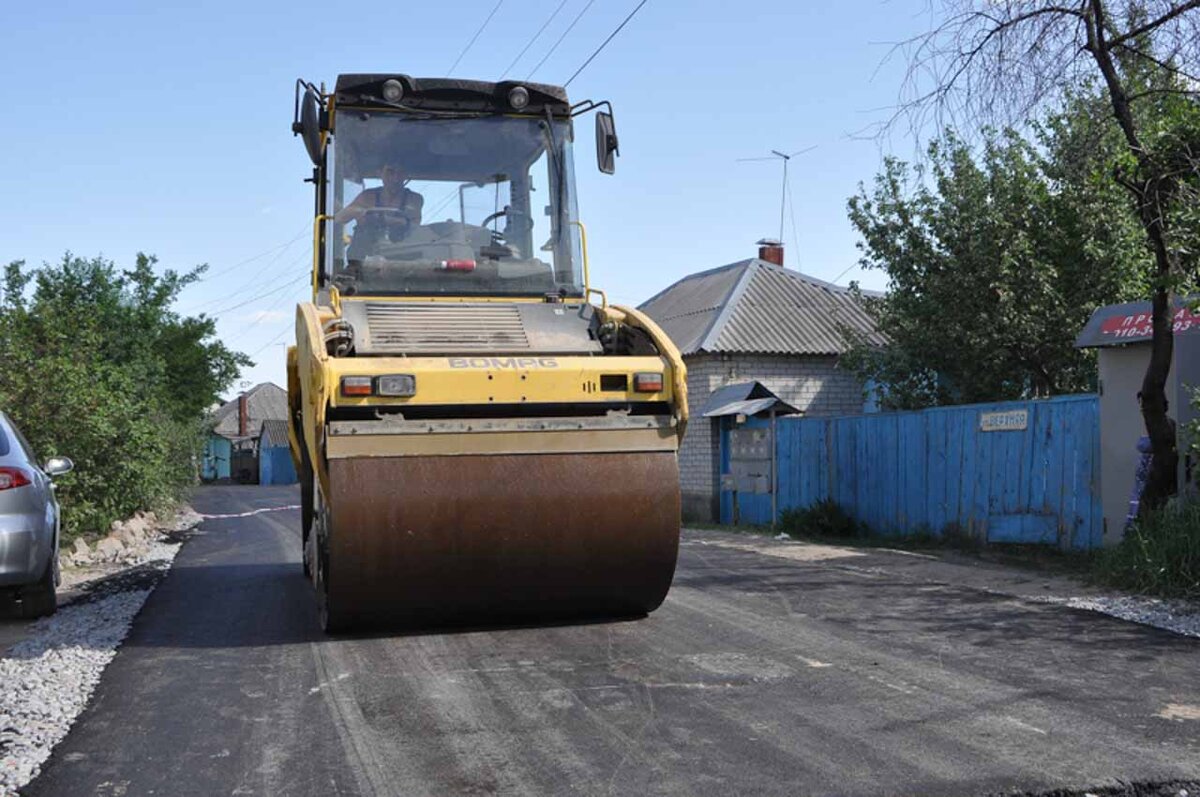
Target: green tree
pixel 990 59
pixel 100 368
pixel 995 259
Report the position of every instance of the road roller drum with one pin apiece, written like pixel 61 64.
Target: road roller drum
pixel 427 541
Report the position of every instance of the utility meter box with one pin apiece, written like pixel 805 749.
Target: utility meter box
pixel 750 460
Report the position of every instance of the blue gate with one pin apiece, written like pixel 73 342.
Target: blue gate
pixel 1024 471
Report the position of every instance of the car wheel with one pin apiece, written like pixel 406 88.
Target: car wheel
pixel 40 599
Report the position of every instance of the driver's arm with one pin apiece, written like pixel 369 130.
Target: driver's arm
pixel 413 211
pixel 354 211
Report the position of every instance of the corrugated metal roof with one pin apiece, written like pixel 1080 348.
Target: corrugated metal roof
pixel 760 308
pixel 266 401
pixel 686 310
pixel 274 434
pixel 1121 324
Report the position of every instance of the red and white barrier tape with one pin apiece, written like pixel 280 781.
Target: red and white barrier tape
pixel 251 512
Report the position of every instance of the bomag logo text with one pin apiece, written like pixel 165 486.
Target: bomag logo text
pixel 503 362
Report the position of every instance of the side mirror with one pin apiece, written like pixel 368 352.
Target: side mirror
pixel 57 466
pixel 607 148
pixel 308 123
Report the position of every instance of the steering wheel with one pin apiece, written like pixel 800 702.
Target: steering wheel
pixel 388 212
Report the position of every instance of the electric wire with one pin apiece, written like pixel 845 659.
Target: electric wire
pixel 442 203
pixel 264 295
pixel 570 27
pixel 226 269
pixel 267 274
pixel 471 43
pixel 604 44
pixel 257 351
pixel 847 270
pixel 269 277
pixel 534 38
pixel 262 316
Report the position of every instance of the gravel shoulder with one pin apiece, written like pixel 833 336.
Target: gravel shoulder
pixel 51 666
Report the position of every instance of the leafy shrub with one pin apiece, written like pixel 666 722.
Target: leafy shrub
pixel 1160 555
pixel 98 367
pixel 825 518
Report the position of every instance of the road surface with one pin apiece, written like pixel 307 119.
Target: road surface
pixel 771 669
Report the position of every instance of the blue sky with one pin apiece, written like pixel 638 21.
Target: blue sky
pixel 164 128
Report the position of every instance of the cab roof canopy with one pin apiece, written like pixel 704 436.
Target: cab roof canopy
pixel 450 95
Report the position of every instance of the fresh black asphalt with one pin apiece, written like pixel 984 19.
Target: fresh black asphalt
pixel 769 670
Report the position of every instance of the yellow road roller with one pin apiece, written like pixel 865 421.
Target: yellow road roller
pixel 480 437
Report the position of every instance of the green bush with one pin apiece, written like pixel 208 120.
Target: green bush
pixel 98 367
pixel 1159 556
pixel 825 518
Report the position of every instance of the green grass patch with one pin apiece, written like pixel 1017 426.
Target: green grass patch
pixel 823 519
pixel 1159 556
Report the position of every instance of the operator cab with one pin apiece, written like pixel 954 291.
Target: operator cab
pixel 487 203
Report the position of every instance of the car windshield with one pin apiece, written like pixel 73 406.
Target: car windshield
pixel 464 206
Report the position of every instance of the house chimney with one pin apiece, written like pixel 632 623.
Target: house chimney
pixel 771 251
pixel 243 416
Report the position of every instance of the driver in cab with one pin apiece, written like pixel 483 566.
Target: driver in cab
pixel 392 209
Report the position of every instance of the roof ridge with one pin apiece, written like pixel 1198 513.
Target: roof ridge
pixel 731 299
pixel 696 275
pixel 798 274
pixel 695 311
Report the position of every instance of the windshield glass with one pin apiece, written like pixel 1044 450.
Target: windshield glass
pixel 466 206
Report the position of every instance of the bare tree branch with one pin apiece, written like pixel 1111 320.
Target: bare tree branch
pixel 1142 30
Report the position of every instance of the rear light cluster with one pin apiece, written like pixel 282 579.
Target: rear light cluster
pixel 648 382
pixel 13 477
pixel 392 385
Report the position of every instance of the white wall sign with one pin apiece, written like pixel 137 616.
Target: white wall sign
pixel 1011 421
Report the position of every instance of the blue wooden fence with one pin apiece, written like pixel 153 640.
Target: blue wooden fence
pixel 936 469
pixel 275 466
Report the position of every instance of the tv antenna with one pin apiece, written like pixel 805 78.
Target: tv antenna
pixel 785 157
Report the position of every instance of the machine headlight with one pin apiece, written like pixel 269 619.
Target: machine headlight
pixel 393 90
pixel 396 385
pixel 518 97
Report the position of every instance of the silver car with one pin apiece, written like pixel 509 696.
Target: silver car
pixel 29 524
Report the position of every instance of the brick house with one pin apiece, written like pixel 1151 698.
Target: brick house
pixel 755 320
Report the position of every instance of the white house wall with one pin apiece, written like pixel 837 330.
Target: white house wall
pixel 813 384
